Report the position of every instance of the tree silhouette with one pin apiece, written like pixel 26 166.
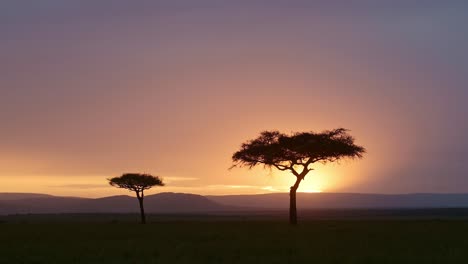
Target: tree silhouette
pixel 138 183
pixel 296 153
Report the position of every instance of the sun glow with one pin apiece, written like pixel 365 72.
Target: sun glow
pixel 324 178
pixel 312 191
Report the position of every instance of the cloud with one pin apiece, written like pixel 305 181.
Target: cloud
pixel 81 186
pixel 270 189
pixel 247 187
pixel 173 179
pixel 222 186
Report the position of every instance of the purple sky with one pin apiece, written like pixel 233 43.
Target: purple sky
pixel 92 89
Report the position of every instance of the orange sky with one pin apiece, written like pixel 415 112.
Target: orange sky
pixel 93 91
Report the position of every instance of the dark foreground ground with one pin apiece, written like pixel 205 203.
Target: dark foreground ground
pixel 177 239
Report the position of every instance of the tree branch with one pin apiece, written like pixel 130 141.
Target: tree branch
pixel 295 173
pixel 304 172
pixel 282 167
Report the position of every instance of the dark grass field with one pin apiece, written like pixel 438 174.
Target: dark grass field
pixel 69 239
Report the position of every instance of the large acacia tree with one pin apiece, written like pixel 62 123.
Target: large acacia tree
pixel 138 183
pixel 296 153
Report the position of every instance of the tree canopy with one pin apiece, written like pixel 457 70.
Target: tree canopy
pixel 285 152
pixel 136 182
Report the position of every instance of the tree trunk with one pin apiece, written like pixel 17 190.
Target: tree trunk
pixel 142 209
pixel 292 206
pixel 292 202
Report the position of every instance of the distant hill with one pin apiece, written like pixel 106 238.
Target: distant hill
pixel 180 203
pixel 158 203
pixel 18 196
pixel 345 200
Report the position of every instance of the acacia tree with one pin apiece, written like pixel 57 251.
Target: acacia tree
pixel 138 183
pixel 296 153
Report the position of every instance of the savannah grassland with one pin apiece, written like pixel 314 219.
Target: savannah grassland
pixel 235 241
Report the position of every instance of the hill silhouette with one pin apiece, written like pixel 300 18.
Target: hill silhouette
pixel 175 203
pixel 346 201
pixel 157 203
pixel 17 196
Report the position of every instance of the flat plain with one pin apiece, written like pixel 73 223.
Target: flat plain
pixel 111 239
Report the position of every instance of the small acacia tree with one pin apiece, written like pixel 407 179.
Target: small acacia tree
pixel 138 183
pixel 296 153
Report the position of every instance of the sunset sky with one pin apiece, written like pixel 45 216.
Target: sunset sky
pixel 92 89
